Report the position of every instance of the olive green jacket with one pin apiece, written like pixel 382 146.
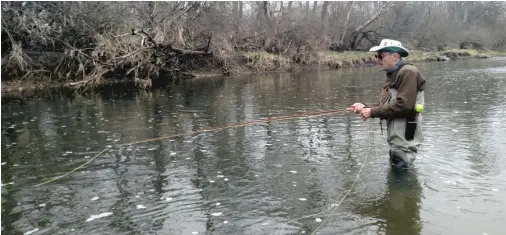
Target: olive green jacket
pixel 402 90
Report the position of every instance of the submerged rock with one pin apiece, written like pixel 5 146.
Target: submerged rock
pixel 482 56
pixel 442 58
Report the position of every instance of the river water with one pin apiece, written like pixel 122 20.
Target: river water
pixel 254 179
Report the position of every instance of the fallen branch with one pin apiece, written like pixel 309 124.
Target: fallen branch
pixel 145 36
pixel 83 54
pixel 209 42
pixel 131 53
pixel 122 35
pixel 382 9
pixel 187 52
pixel 79 83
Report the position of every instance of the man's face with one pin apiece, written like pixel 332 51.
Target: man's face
pixel 387 60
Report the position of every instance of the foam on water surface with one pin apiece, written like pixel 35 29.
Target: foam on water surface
pixel 31 231
pixel 101 215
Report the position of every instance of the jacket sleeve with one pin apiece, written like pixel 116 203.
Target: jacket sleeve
pixel 405 100
pixel 371 105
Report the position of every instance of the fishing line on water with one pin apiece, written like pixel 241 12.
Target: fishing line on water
pixel 322 212
pixel 73 170
pixel 219 128
pixel 338 202
pixel 249 123
pixel 353 184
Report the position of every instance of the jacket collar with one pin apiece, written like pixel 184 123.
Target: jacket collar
pixel 396 66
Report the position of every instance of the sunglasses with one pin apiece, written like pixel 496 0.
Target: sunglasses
pixel 380 56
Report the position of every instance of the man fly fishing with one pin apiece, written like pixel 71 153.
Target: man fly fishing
pixel 401 104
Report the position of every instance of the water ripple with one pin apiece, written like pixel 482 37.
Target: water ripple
pixel 251 180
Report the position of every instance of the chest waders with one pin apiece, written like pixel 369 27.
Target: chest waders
pixel 404 134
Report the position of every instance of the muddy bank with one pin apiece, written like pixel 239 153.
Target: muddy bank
pixel 242 63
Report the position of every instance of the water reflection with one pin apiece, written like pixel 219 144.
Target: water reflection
pixel 397 211
pixel 255 178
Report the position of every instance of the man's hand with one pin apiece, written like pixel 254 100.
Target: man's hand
pixel 366 113
pixel 356 107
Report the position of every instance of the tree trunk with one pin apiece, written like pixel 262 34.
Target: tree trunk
pixel 325 19
pixel 307 10
pixel 359 28
pixel 235 17
pixel 357 33
pixel 350 7
pixel 287 13
pixel 270 33
pixel 240 10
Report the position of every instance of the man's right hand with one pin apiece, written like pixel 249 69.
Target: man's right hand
pixel 356 107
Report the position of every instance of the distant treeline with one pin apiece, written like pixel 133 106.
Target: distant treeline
pixel 89 41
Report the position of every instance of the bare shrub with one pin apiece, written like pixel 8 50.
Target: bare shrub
pixel 91 42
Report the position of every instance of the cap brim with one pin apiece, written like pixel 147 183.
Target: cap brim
pixel 403 52
pixel 376 48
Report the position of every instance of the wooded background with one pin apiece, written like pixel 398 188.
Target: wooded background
pixel 138 38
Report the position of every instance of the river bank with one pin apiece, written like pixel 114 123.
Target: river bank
pixel 242 63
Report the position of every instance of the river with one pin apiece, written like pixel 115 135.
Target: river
pixel 254 179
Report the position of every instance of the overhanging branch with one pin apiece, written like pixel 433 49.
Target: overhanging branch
pixel 146 37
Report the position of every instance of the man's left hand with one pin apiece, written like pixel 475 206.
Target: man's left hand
pixel 366 113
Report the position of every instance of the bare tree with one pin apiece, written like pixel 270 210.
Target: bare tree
pixel 91 41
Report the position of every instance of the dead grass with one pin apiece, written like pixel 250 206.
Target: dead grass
pixel 496 53
pixel 358 57
pixel 124 56
pixel 334 59
pixel 417 56
pixel 262 61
